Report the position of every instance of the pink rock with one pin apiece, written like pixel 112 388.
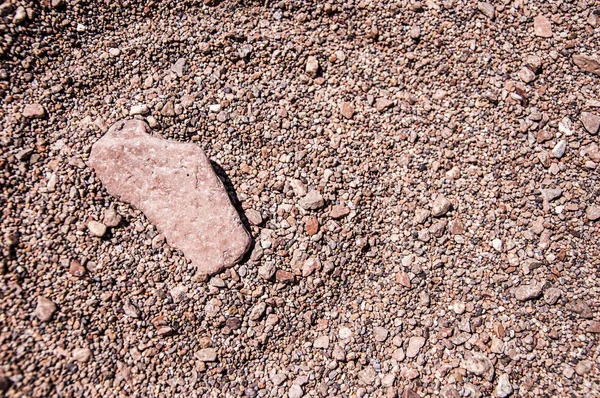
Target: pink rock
pixel 591 122
pixel 34 111
pixel 347 110
pixel 587 64
pixel 542 26
pixel 176 187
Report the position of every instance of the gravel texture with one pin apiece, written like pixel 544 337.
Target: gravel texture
pixel 421 181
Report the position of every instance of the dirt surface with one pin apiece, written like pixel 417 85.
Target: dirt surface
pixel 421 181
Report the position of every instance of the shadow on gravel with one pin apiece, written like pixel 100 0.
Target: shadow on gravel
pixel 237 204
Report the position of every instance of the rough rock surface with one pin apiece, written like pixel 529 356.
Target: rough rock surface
pixel 461 123
pixel 587 64
pixel 34 111
pixel 176 187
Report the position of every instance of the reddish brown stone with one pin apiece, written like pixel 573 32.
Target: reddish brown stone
pixel 403 279
pixel 174 184
pixel 76 269
pixel 311 226
pixel 594 327
pixel 339 211
pixel 587 64
pixel 456 227
pixel 284 276
pixel 591 122
pixel 347 110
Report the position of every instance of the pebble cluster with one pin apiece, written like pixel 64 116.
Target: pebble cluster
pixel 421 180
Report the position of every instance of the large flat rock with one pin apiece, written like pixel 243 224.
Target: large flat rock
pixel 175 186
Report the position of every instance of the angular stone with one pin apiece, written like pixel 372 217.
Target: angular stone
pixel 486 9
pixel 312 201
pixel 267 271
pixel 581 308
pixel 310 266
pixel 178 67
pixel 311 226
pixel 111 218
pixel 45 309
pixel 295 391
pixel 380 333
pixel 34 111
pixel 552 295
pixel 254 217
pixel 534 63
pixel 283 276
pixel 130 310
pixel 176 187
pixel 321 342
pixel 477 363
pixel 584 367
pixel 559 149
pixel 76 269
pixel 542 26
pixel 139 110
pixel 312 66
pixel 551 194
pixel 381 104
pixel 206 355
pixel 81 354
pixel 591 122
pixel 528 292
pixel 504 388
pixel 403 279
pixel 258 311
pixel 347 110
pixel 587 64
pixel 339 211
pixel 440 206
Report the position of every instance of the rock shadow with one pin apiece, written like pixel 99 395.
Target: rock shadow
pixel 235 201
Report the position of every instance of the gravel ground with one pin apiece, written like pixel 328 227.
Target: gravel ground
pixel 421 179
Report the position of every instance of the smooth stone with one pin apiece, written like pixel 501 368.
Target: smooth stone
pixel 559 149
pixel 96 228
pixel 590 122
pixel 175 186
pixel 593 213
pixel 415 344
